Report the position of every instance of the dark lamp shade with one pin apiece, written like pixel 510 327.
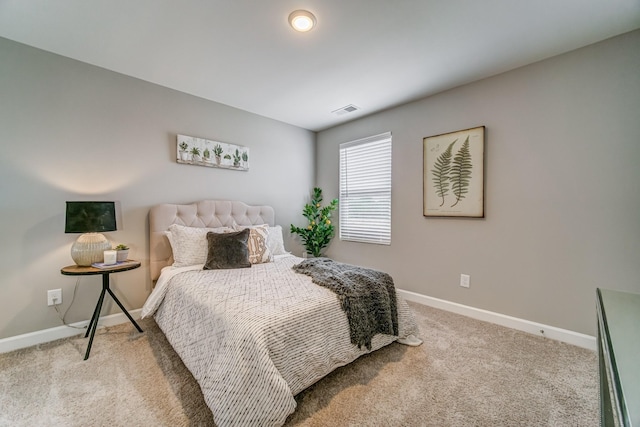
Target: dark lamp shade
pixel 90 217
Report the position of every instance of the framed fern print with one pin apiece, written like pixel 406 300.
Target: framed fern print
pixel 453 174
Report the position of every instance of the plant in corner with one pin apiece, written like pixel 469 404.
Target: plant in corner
pixel 319 232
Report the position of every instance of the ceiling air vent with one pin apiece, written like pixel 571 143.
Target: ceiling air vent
pixel 345 110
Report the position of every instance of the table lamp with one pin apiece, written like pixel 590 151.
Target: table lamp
pixel 91 219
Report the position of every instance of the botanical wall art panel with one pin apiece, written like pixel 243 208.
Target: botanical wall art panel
pixel 203 152
pixel 453 181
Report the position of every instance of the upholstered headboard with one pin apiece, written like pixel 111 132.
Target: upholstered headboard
pixel 206 213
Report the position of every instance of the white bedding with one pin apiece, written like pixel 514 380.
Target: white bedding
pixel 255 337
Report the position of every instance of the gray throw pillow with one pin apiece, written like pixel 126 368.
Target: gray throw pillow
pixel 228 250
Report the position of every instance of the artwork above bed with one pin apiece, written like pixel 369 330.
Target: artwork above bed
pixel 203 152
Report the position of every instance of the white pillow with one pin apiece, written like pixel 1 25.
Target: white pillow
pixel 189 244
pixel 275 241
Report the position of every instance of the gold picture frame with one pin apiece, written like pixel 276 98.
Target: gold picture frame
pixel 453 174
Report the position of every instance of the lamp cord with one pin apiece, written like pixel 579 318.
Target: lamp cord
pixel 63 315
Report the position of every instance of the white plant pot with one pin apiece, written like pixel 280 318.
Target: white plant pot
pixel 122 255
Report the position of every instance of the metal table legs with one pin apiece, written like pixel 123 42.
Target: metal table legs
pixel 93 324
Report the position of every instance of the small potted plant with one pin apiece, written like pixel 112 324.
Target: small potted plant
pixel 122 252
pixel 236 158
pixel 245 159
pixel 195 153
pixel 206 154
pixel 184 155
pixel 217 152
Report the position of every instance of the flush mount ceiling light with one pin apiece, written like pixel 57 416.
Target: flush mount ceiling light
pixel 302 20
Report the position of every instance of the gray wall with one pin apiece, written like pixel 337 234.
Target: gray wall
pixel 72 131
pixel 562 200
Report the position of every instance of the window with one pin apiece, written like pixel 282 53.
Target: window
pixel 365 190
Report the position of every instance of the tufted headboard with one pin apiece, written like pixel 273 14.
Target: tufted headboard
pixel 206 213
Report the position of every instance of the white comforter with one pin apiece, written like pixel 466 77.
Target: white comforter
pixel 255 337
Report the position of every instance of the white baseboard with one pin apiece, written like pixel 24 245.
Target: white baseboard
pixel 558 334
pixel 564 335
pixel 52 334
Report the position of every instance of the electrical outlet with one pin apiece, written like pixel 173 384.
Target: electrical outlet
pixel 54 297
pixel 464 280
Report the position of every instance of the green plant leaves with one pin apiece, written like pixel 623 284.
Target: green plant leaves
pixel 440 172
pixel 461 172
pixel 456 172
pixel 320 229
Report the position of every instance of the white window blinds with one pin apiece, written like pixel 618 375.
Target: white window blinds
pixel 365 190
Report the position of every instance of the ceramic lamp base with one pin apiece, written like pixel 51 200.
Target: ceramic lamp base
pixel 89 248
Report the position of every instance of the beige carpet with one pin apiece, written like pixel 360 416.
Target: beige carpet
pixel 467 373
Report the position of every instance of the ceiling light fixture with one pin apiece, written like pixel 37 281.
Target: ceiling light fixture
pixel 302 20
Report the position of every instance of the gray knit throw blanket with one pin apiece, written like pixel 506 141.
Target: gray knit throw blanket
pixel 367 296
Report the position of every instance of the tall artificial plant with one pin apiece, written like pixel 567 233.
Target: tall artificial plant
pixel 319 231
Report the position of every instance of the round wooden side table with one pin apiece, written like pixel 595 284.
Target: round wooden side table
pixel 76 270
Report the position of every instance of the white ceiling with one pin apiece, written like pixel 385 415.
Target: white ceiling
pixel 374 54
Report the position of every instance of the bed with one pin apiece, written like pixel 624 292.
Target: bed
pixel 252 337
